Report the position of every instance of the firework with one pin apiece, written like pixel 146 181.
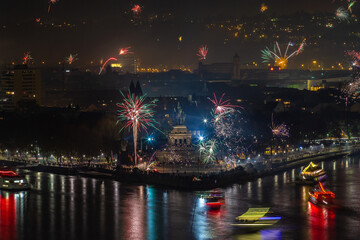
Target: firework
pixel 222 106
pixel 27 57
pixel 51 2
pixel 207 150
pixel 342 14
pixel 125 51
pixel 108 60
pixel 281 60
pixel 263 7
pixel 351 4
pixel 72 58
pixel 279 131
pixel 137 115
pixel 37 20
pixel 202 52
pixel 355 57
pixel 136 10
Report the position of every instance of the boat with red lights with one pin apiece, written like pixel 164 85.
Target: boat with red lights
pixel 311 175
pixel 321 195
pixel 10 180
pixel 215 199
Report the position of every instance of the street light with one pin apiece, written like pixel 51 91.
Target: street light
pixel 205 120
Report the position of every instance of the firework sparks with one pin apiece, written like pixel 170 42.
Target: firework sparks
pixel 37 20
pixel 136 10
pixel 72 58
pixel 27 57
pixel 279 131
pixel 137 115
pixel 125 51
pixel 263 7
pixel 108 60
pixel 342 14
pixel 202 52
pixel 281 60
pixel 208 150
pixel 355 57
pixel 51 2
pixel 222 106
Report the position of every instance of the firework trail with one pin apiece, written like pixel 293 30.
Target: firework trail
pixel 72 58
pixel 125 51
pixel 51 2
pixel 108 60
pixel 202 52
pixel 276 55
pixel 279 131
pixel 27 57
pixel 342 14
pixel 263 7
pixel 137 115
pixel 351 4
pixel 136 10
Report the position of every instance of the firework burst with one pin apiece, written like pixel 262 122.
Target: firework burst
pixel 136 10
pixel 263 7
pixel 221 106
pixel 202 52
pixel 27 57
pixel 208 151
pixel 342 14
pixel 280 131
pixel 350 5
pixel 355 57
pixel 137 115
pixel 71 58
pixel 125 51
pixel 281 60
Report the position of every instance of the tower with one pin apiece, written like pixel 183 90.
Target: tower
pixel 236 67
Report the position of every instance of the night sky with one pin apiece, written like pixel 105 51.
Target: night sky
pixel 101 27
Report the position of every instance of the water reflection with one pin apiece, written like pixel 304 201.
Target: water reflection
pixel 85 208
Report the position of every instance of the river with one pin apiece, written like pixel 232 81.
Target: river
pixel 73 207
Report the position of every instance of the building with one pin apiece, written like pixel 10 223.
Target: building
pixel 180 135
pixel 19 84
pixel 125 64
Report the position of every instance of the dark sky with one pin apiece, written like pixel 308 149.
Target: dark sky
pixel 107 28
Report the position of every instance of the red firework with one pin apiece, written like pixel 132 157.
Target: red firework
pixel 222 106
pixel 136 9
pixel 27 57
pixel 51 2
pixel 125 51
pixel 37 19
pixel 109 59
pixel 202 52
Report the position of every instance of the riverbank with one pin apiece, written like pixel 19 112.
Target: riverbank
pixel 194 181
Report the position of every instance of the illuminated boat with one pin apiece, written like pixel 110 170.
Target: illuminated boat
pixel 256 219
pixel 214 200
pixel 321 195
pixel 311 174
pixel 10 180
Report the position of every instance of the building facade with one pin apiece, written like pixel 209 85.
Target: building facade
pixel 20 84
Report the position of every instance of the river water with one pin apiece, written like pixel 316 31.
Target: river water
pixel 73 207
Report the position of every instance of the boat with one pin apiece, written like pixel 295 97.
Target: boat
pixel 214 200
pixel 255 219
pixel 321 195
pixel 10 180
pixel 311 175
